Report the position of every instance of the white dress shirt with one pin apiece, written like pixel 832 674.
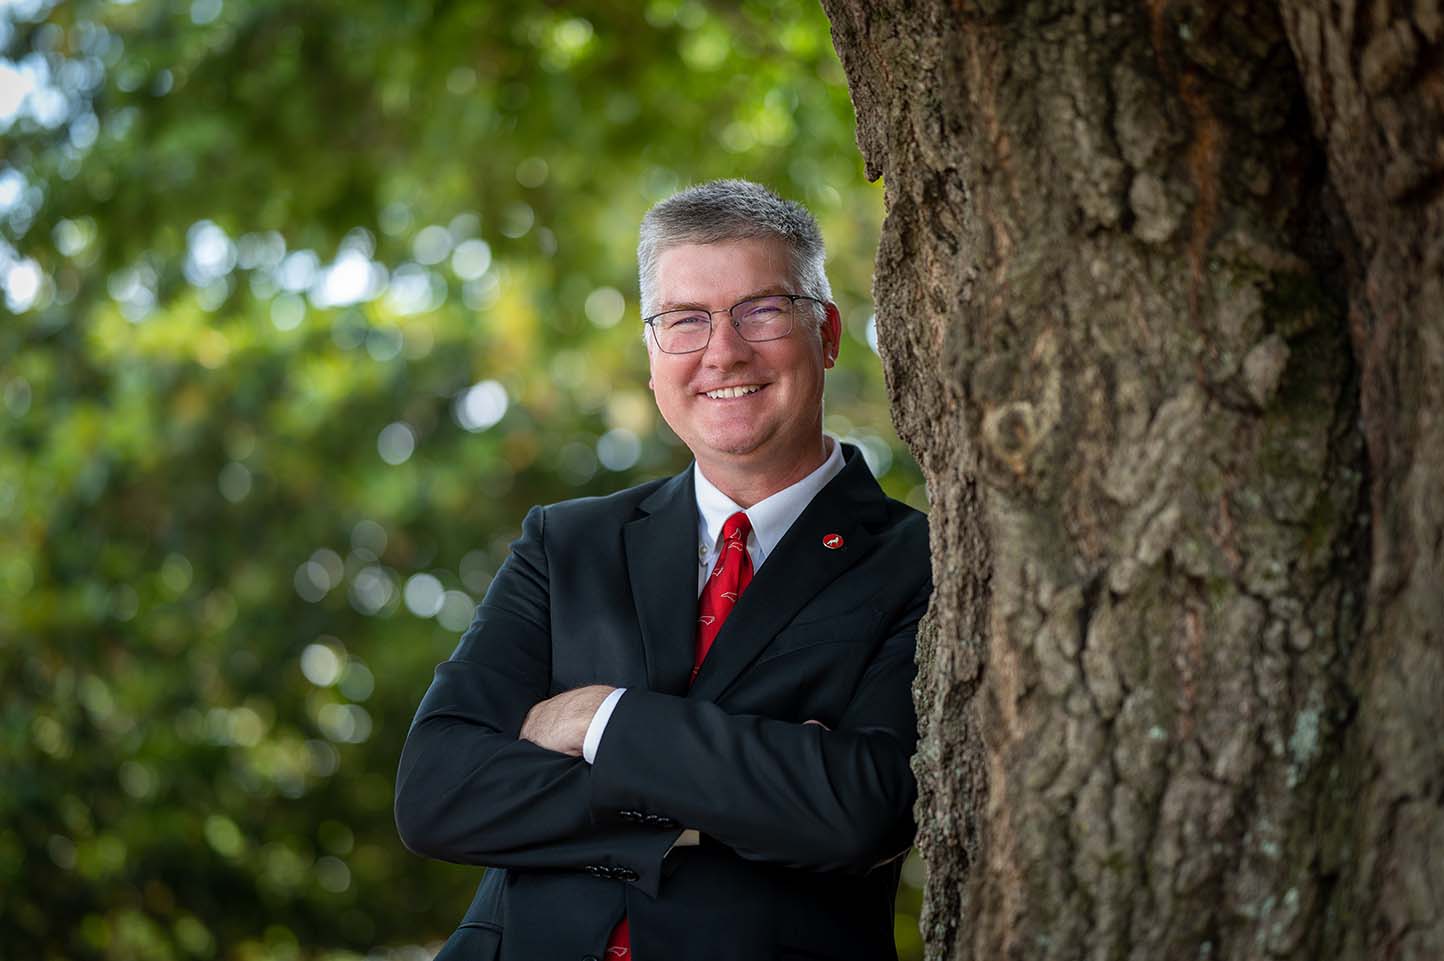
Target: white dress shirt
pixel 771 518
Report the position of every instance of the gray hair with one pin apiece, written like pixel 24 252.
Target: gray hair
pixel 726 210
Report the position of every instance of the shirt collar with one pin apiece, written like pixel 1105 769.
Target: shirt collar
pixel 772 516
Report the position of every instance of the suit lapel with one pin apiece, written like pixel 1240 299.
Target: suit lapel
pixel 661 549
pixel 795 572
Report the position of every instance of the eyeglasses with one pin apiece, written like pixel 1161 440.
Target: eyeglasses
pixel 757 319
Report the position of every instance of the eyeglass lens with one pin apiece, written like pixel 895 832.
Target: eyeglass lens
pixel 758 319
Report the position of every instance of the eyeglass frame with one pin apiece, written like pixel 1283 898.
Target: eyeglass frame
pixel 648 322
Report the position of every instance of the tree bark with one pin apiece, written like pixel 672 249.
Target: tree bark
pixel 1375 80
pixel 1159 303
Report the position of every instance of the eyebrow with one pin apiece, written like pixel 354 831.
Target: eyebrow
pixel 768 291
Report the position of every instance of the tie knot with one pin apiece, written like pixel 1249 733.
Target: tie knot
pixel 736 526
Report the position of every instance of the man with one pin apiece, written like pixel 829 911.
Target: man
pixel 655 775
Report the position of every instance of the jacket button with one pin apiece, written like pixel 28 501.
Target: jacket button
pixel 626 874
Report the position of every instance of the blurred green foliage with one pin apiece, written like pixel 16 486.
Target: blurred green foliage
pixel 305 302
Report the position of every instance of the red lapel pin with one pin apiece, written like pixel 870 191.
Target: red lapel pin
pixel 832 541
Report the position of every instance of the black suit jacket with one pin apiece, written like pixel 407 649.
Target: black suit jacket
pixel 802 827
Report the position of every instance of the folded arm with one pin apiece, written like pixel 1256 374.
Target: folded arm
pixel 792 794
pixel 468 789
pixel 471 788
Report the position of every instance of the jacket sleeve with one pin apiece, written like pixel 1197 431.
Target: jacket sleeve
pixel 791 794
pixel 467 790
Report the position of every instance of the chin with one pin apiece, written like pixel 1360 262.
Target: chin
pixel 735 447
pixel 736 436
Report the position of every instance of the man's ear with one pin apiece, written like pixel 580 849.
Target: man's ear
pixel 831 332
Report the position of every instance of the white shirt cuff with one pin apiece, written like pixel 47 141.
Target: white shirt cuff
pixel 689 838
pixel 593 740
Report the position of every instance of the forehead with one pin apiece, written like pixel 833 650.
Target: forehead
pixel 721 273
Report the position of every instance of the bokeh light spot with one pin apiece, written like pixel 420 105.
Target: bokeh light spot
pixel 176 574
pixel 396 443
pixel 461 80
pixel 137 780
pixel 16 396
pixel 423 595
pixel 357 681
pixel 414 289
pixel 223 836
pixel 517 220
pixel 192 935
pixel 322 758
pixel 332 874
pixel 210 253
pixel 395 218
pixel 205 11
pixel 344 723
pixel 480 406
pixel 49 735
pixel 297 271
pixel 62 851
pixel 471 259
pixel 234 482
pixel 456 611
pixel 321 664
pixel 618 449
pixel 369 536
pixel 605 306
pixel 244 727
pixel 431 245
pixel 287 311
pixel 532 172
pixel 350 280
pixel 372 589
pixel 23 283
pixel 317 575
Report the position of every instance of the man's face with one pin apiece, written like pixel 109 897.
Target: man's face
pixel 773 425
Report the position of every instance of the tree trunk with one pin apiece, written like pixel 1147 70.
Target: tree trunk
pixel 1159 301
pixel 1375 80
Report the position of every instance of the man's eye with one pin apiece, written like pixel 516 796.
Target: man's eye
pixel 685 320
pixel 763 311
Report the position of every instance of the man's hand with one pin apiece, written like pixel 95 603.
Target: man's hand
pixel 560 723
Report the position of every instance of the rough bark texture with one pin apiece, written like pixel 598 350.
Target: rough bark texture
pixel 1374 72
pixel 1159 302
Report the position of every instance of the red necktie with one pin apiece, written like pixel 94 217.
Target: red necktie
pixel 730 577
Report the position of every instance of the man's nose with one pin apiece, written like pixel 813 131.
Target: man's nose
pixel 726 346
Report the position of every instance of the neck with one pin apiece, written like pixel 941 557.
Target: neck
pixel 747 484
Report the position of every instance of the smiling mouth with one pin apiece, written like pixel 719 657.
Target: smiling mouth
pixel 728 393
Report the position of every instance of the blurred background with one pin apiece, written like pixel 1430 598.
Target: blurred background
pixel 303 303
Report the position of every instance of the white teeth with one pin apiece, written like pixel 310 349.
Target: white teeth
pixel 728 392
